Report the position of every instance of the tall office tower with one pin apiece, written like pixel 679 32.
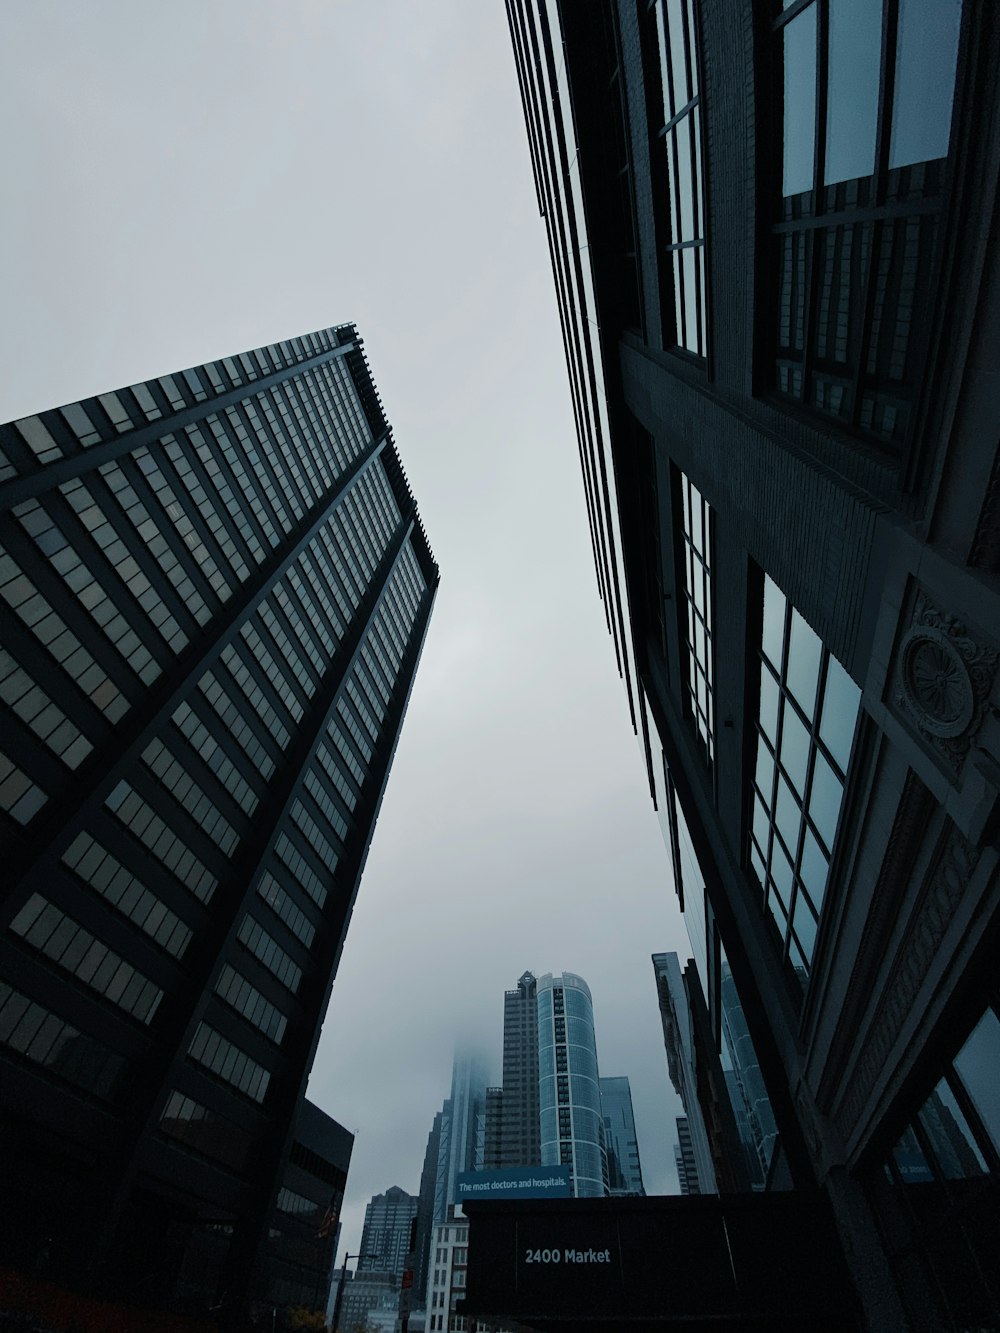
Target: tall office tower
pixel 385 1240
pixel 425 1205
pixel 703 1077
pixel 461 1143
pixel 569 1092
pixel 512 1111
pixel 621 1143
pixel 772 230
pixel 687 1167
pixel 214 590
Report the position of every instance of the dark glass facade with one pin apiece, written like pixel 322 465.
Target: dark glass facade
pixel 214 589
pixel 512 1111
pixel 772 235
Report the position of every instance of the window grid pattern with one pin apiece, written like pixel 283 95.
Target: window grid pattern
pixel 676 32
pixel 166 845
pixel 866 129
pixel 248 1002
pixel 805 729
pixel 266 950
pixel 205 1132
pixel 118 886
pixel 181 786
pixel 210 750
pixel 698 606
pixel 284 908
pixel 213 1052
pixel 49 930
pixel 41 1036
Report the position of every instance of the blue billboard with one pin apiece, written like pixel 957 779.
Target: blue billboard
pixel 516 1182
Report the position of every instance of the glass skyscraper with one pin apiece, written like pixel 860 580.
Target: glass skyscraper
pixel 621 1141
pixel 569 1091
pixel 512 1111
pixel 214 590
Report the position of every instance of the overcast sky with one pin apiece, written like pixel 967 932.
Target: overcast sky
pixel 190 179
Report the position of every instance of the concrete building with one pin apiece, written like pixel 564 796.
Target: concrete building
pixel 773 238
pixel 388 1231
pixel 214 590
pixel 512 1111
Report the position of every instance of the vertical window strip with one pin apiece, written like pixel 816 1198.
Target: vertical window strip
pixel 806 721
pixel 698 605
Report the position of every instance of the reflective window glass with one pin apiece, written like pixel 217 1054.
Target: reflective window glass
pixel 926 59
pixel 978 1065
pixel 824 799
pixel 774 623
pixel 951 1139
pixel 799 866
pixel 769 697
pixel 794 748
pixel 855 47
pixel 803 663
pixel 840 712
pixel 799 103
pixel 804 924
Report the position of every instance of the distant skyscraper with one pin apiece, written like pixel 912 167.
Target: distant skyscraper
pixel 687 1167
pixel 214 590
pixel 461 1141
pixel 512 1127
pixel 385 1240
pixel 425 1206
pixel 622 1145
pixel 569 1094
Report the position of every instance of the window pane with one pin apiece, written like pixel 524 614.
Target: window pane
pixel 841 698
pixel 781 875
pixel 910 1160
pixel 825 799
pixel 950 1136
pixel 768 703
pixel 774 622
pixel 804 652
pixel 978 1063
pixel 787 816
pixel 814 868
pixel 794 748
pixel 852 88
pixel 926 55
pixel 805 925
pixel 800 103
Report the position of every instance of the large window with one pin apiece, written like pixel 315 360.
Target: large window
pixel 946 1168
pixel 697 529
pixel 867 91
pixel 681 135
pixel 805 730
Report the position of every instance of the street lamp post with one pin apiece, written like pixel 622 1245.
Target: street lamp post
pixel 340 1290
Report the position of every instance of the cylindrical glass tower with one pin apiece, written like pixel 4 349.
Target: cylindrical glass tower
pixel 569 1091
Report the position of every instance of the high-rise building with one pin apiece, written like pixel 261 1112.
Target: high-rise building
pixel 214 590
pixel 621 1143
pixel 385 1240
pixel 772 230
pixel 687 1166
pixel 512 1111
pixel 462 1133
pixel 569 1092
pixel 703 1076
pixel 425 1205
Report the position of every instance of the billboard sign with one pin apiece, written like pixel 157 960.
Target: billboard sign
pixel 516 1182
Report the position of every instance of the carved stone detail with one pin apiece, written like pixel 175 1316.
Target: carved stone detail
pixel 943 681
pixel 942 894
